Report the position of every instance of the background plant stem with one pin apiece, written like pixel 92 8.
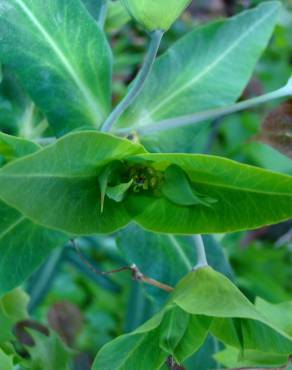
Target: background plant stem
pixel 102 13
pixel 201 253
pixel 138 83
pixel 211 114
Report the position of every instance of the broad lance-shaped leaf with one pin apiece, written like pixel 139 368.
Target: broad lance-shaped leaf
pixel 60 187
pixel 23 243
pixel 246 197
pixel 205 68
pixel 180 328
pixel 61 190
pixel 61 57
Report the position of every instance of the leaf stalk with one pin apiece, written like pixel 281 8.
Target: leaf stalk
pixel 211 114
pixel 138 83
pixel 201 252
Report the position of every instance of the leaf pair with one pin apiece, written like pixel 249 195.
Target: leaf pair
pixel 60 190
pixel 204 301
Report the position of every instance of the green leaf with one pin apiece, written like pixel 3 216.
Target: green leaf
pixel 23 244
pixel 68 171
pixel 180 328
pixel 171 332
pixel 125 352
pixel 207 292
pixel 12 309
pixel 178 189
pixel 12 147
pixel 48 353
pixel 117 15
pixel 203 70
pixel 118 192
pixel 232 358
pixel 279 314
pixel 247 197
pixel 236 321
pixel 193 338
pixel 202 359
pixel 61 46
pixel 6 361
pixel 173 329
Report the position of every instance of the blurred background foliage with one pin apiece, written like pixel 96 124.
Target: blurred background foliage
pixel 88 309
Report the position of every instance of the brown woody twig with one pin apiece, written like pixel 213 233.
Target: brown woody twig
pixel 136 273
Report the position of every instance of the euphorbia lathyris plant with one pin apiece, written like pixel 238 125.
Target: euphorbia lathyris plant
pixel 88 182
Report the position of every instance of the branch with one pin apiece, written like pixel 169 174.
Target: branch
pixel 136 273
pixel 136 87
pixel 216 113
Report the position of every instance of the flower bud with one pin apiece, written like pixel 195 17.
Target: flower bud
pixel 156 14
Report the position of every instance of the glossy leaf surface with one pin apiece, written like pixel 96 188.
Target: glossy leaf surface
pixel 61 189
pixel 23 243
pixel 63 181
pixel 61 57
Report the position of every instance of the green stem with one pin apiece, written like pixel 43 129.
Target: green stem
pixel 138 83
pixel 213 113
pixel 201 253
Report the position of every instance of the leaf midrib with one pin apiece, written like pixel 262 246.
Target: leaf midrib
pixel 92 102
pixel 12 226
pixel 200 182
pixel 210 67
pixel 48 176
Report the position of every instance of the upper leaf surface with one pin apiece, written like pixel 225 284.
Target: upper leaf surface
pixel 23 243
pixel 60 56
pixel 61 190
pixel 246 197
pixel 60 183
pixel 12 147
pixel 207 68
